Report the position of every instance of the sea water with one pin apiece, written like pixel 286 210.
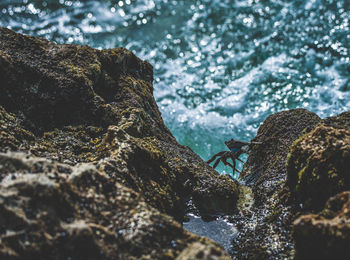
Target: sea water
pixel 221 66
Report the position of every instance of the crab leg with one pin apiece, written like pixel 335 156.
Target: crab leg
pixel 217 162
pixel 227 163
pixel 234 164
pixel 255 143
pixel 234 167
pixel 239 160
pixel 215 155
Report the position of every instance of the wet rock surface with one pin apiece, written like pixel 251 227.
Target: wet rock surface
pixel 341 121
pixel 51 210
pixel 302 161
pixel 318 168
pixel 68 107
pixel 88 169
pixel 264 218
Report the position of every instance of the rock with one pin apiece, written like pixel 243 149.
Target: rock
pixel 168 174
pixel 50 210
pixel 277 133
pixel 318 166
pixel 265 219
pixel 12 135
pixel 340 121
pixel 325 235
pixel 199 251
pixel 72 104
pixel 302 161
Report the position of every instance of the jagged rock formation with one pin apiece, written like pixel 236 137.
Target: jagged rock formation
pixel 319 166
pixel 303 160
pixel 62 105
pixel 51 210
pixel 88 170
pixel 264 226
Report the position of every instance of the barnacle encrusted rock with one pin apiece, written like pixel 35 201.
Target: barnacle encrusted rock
pixel 318 166
pixel 325 235
pixel 52 210
pixel 74 104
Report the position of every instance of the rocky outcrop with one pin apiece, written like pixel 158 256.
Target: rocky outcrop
pixel 266 162
pixel 88 170
pixel 51 210
pixel 341 121
pixel 302 161
pixel 325 235
pixel 265 224
pixel 318 166
pixel 76 107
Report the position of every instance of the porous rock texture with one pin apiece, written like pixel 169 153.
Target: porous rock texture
pixel 341 121
pixel 325 235
pixel 301 162
pixel 319 166
pixel 264 220
pixel 88 169
pixel 51 210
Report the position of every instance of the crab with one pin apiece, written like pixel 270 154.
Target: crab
pixel 236 149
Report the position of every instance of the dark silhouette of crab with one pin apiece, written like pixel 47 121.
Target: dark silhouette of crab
pixel 236 149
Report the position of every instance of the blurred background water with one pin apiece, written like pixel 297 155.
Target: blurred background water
pixel 221 66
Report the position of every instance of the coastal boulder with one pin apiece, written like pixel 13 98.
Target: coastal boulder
pixel 73 103
pixel 325 235
pixel 265 219
pixel 318 166
pixel 50 210
pixel 88 169
pixel 339 121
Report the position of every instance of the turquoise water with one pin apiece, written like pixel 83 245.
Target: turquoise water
pixel 221 67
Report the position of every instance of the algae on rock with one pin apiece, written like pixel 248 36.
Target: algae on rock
pixel 300 164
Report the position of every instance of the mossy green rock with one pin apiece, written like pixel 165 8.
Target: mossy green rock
pixel 319 166
pixel 73 104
